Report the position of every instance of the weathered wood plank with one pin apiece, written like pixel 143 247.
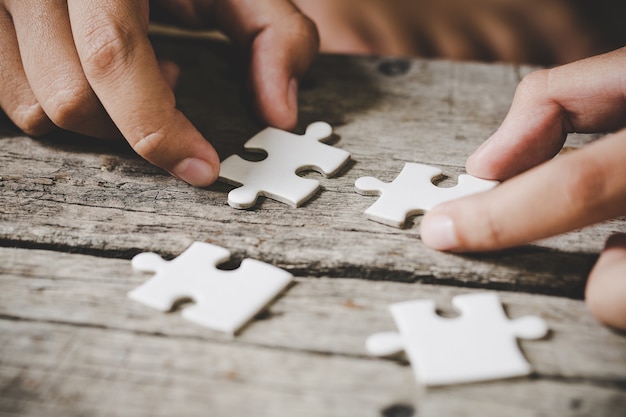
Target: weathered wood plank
pixel 71 193
pixel 319 240
pixel 56 370
pixel 523 398
pixel 327 316
pixel 71 344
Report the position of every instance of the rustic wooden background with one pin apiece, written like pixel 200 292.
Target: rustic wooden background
pixel 75 210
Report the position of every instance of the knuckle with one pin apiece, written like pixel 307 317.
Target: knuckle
pixel 584 189
pixel 306 26
pixel 306 29
pixel 295 27
pixel 494 232
pixel 534 84
pixel 32 120
pixel 106 47
pixel 69 107
pixel 153 145
pixel 478 225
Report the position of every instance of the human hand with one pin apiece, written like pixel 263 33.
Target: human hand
pixel 543 32
pixel 87 66
pixel 539 199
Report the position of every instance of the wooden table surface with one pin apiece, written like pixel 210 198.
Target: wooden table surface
pixel 75 211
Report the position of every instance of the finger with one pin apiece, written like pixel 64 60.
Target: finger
pixel 283 43
pixel 385 31
pixel 171 72
pixel 560 31
pixel 53 69
pixel 16 97
pixel 336 26
pixel 504 36
pixel 451 40
pixel 120 65
pixel 574 190
pixel 549 104
pixel 606 287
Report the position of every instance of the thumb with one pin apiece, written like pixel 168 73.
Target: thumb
pixel 121 67
pixel 570 192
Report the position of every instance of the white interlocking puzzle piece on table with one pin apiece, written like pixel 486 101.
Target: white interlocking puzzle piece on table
pixel 480 344
pixel 223 300
pixel 276 176
pixel 413 192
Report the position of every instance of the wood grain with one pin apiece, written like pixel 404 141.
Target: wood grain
pixel 70 337
pixel 74 194
pixel 74 211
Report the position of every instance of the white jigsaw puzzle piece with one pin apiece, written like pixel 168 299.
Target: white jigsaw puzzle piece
pixel 480 344
pixel 413 192
pixel 276 176
pixel 223 300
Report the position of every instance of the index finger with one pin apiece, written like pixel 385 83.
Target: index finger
pixel 121 67
pixel 282 43
pixel 584 96
pixel 574 190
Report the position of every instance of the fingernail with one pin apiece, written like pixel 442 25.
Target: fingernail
pixel 195 171
pixel 438 232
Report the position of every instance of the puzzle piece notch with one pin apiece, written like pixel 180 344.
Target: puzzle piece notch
pixel 223 300
pixel 413 192
pixel 276 176
pixel 480 344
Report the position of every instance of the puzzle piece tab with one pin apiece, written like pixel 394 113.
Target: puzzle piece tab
pixel 276 176
pixel 413 192
pixel 480 344
pixel 223 300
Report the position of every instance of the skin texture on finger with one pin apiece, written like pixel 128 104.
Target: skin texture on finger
pixel 384 37
pixel 513 33
pixel 606 287
pixel 337 32
pixel 546 32
pixel 362 27
pixel 503 40
pixel 16 97
pixel 563 30
pixel 584 96
pixel 452 40
pixel 120 65
pixel 282 44
pixel 572 191
pixel 54 71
